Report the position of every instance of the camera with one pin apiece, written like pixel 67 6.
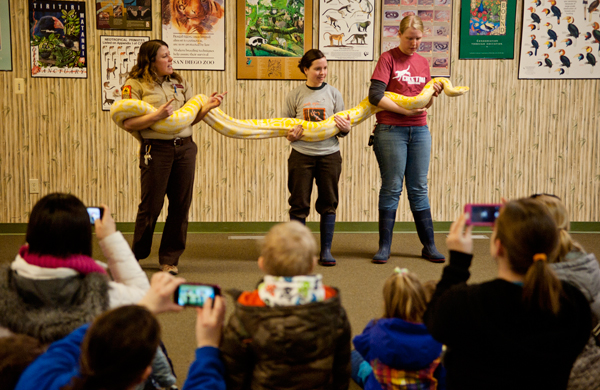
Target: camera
pixel 482 214
pixel 95 213
pixel 195 294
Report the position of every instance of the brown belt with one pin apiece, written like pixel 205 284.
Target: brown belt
pixel 175 141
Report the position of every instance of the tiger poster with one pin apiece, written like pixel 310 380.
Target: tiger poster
pixel 272 36
pixel 195 33
pixel 347 29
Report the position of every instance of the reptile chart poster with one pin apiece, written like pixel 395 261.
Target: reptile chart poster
pixel 487 29
pixel 195 33
pixel 347 29
pixel 437 23
pixel 124 14
pixel 57 36
pixel 118 56
pixel 560 39
pixel 272 36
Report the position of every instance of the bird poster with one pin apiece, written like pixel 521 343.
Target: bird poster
pixel 5 50
pixel 347 29
pixel 195 33
pixel 560 39
pixel 57 33
pixel 437 30
pixel 124 14
pixel 117 56
pixel 272 36
pixel 487 29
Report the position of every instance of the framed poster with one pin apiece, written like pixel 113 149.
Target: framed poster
pixel 124 14
pixel 272 36
pixel 5 45
pixel 118 56
pixel 487 29
pixel 347 29
pixel 437 23
pixel 560 39
pixel 195 33
pixel 57 36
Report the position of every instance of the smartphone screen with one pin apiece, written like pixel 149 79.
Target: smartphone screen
pixel 482 214
pixel 95 213
pixel 195 294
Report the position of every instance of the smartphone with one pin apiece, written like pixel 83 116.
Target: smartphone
pixel 195 294
pixel 95 213
pixel 482 214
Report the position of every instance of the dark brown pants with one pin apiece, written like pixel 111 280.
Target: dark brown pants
pixel 325 171
pixel 170 172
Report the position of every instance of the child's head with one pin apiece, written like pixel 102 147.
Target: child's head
pixel 16 353
pixel 404 296
pixel 289 249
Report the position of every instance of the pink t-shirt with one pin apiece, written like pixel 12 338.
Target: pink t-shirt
pixel 405 75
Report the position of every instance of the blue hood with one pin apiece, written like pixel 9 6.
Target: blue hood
pixel 398 344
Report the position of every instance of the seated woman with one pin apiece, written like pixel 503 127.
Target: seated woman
pixel 522 330
pixel 54 286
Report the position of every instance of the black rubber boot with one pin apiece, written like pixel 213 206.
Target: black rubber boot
pixel 425 231
pixel 387 218
pixel 301 220
pixel 326 227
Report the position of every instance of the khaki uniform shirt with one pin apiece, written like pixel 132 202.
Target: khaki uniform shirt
pixel 158 94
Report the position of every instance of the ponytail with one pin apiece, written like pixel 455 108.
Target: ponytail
pixel 529 236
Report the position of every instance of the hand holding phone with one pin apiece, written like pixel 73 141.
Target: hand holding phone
pixel 95 213
pixel 195 294
pixel 482 214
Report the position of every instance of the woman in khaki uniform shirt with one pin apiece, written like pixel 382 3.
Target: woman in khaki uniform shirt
pixel 167 161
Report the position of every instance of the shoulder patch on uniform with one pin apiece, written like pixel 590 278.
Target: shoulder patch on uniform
pixel 126 94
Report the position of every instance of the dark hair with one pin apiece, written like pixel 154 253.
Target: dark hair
pixel 117 349
pixel 16 353
pixel 308 58
pixel 59 225
pixel 525 228
pixel 146 56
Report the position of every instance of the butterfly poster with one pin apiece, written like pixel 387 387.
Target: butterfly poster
pixel 272 36
pixel 347 29
pixel 437 30
pixel 58 35
pixel 195 33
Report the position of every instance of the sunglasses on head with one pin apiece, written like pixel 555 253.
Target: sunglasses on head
pixel 544 194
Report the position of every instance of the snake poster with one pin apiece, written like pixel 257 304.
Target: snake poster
pixel 560 39
pixel 437 23
pixel 346 29
pixel 272 36
pixel 57 34
pixel 195 33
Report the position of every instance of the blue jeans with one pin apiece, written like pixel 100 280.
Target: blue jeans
pixel 403 151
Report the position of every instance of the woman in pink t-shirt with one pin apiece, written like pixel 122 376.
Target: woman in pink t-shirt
pixel 402 141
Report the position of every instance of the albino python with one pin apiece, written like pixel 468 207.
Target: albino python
pixel 268 128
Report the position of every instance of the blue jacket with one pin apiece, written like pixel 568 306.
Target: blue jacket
pixel 398 344
pixel 60 363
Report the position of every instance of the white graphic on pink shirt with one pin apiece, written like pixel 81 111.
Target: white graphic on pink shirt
pixel 404 75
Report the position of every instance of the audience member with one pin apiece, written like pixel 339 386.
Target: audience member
pixel 115 351
pixel 54 286
pixel 16 353
pixel 292 332
pixel 524 329
pixel 581 269
pixel 401 352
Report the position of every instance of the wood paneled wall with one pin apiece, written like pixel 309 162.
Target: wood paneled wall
pixel 507 137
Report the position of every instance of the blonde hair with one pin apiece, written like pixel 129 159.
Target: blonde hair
pixel 559 213
pixel 289 249
pixel 411 21
pixel 404 297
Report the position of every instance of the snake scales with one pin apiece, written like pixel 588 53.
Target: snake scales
pixel 268 128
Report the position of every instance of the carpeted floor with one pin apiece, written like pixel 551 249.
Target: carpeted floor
pixel 230 261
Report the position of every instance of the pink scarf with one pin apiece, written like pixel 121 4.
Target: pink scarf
pixel 80 263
